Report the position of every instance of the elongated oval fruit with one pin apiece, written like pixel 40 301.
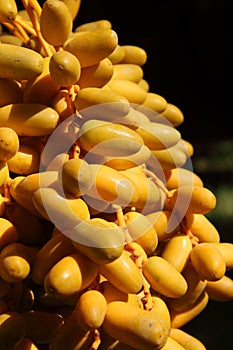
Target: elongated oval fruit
pixel 157 136
pixel 201 227
pixel 8 232
pixel 23 187
pixel 134 326
pixel 41 326
pixel 56 248
pixel 181 176
pixel 64 213
pixel 96 75
pixel 196 286
pixel 129 71
pixel 134 54
pixel 154 103
pixel 161 221
pixel 173 114
pixel 99 240
pixel 73 6
pixel 12 329
pixel 20 64
pixel 193 199
pixel 76 176
pixel 16 259
pixel 168 158
pixel 122 273
pixel 149 194
pixel 181 318
pixel 55 14
pixel 111 293
pixel 177 251
pixel 4 174
pixel 90 309
pixel 90 47
pixel 142 231
pixel 103 137
pixel 226 250
pixel 9 143
pixel 70 275
pixel 103 104
pixel 208 261
pixel 93 25
pixel 127 88
pixel 64 68
pixel 161 308
pixel 42 88
pixel 188 341
pixel 220 290
pixel 164 278
pixel 8 11
pixel 117 55
pixel 123 163
pixel 29 119
pixel 111 186
pixel 10 91
pixel 26 161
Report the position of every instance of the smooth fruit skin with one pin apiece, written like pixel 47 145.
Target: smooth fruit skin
pixel 9 143
pixel 90 309
pixel 29 119
pixel 208 261
pixel 188 341
pixel 64 68
pixel 69 276
pixel 8 11
pixel 123 274
pixel 99 240
pixel 21 63
pixel 177 251
pixel 55 14
pixel 56 248
pixel 90 47
pixel 134 326
pixel 164 278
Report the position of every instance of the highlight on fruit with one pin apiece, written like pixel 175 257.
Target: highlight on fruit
pixel 105 242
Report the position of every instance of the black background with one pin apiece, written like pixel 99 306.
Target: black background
pixel 189 46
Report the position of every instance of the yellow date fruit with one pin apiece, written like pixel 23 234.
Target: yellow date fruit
pixel 55 14
pixel 134 326
pixel 29 119
pixel 91 47
pixel 64 68
pixel 122 273
pixel 164 278
pixel 8 11
pixel 56 248
pixel 21 63
pixel 70 275
pixel 90 309
pixel 99 240
pixel 9 143
pixel 208 261
pixel 101 104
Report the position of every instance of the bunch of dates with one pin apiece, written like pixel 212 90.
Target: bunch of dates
pixel 105 241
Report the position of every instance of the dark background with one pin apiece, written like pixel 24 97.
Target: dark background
pixel 190 59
